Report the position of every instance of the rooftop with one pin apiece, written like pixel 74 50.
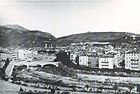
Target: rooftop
pixel 133 51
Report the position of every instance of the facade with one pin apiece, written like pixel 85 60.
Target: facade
pixel 73 57
pixel 93 61
pixel 13 56
pixel 106 62
pixel 10 55
pixel 83 60
pixel 4 56
pixel 25 54
pixel 118 58
pixel 17 55
pixel 132 60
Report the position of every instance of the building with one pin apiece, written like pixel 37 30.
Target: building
pixel 13 55
pixel 110 60
pixel 117 58
pixel 83 60
pixel 24 54
pixel 106 62
pixel 132 60
pixel 73 57
pixel 50 45
pixel 8 55
pixel 4 56
pixel 93 60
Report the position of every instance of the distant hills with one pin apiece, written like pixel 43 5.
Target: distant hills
pixel 94 36
pixel 17 36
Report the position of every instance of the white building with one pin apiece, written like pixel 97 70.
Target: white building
pixel 106 62
pixel 4 56
pixel 8 55
pixel 83 60
pixel 118 58
pixel 24 54
pixel 20 54
pixel 132 60
pixel 13 55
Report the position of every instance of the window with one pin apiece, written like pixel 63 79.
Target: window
pixel 134 67
pixel 134 63
pixel 134 59
pixel 104 65
pixel 105 62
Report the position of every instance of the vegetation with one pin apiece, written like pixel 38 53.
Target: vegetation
pixel 94 36
pixel 17 36
pixel 2 70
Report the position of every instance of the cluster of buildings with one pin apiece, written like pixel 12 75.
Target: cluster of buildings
pixel 109 60
pixel 20 54
pixel 107 57
pixel 93 54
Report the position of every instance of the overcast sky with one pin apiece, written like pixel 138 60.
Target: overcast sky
pixel 65 17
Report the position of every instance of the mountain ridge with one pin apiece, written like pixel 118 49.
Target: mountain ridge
pixel 18 36
pixel 92 36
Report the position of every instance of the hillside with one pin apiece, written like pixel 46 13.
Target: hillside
pixel 17 36
pixel 92 36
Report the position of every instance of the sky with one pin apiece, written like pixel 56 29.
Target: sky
pixel 66 17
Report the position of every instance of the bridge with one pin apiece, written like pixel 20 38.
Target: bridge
pixel 11 65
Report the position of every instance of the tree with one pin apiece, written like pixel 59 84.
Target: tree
pixel 122 64
pixel 4 68
pixel 77 60
pixel 64 58
pixel 114 66
pixel 115 87
pixel 138 88
pixel 87 87
pixel 130 87
pixel 100 89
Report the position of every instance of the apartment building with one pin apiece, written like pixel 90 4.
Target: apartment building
pixel 106 62
pixel 132 60
pixel 83 60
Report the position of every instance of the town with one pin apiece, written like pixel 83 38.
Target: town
pixel 83 67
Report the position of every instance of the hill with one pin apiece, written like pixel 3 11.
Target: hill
pixel 92 36
pixel 17 36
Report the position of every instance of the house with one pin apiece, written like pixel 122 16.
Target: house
pixel 132 60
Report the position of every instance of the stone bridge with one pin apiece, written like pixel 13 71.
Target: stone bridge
pixel 11 65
